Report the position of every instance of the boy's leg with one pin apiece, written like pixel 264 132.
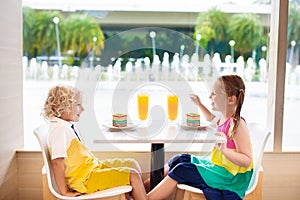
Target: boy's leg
pixel 138 190
pixel 147 181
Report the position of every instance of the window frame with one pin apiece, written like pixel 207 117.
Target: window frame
pixel 276 82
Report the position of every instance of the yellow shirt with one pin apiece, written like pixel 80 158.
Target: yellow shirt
pixel 83 171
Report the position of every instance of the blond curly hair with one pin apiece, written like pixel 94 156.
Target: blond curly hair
pixel 59 100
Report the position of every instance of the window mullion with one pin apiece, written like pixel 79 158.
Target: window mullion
pixel 278 44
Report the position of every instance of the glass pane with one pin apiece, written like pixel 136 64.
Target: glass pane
pixel 292 83
pixel 132 33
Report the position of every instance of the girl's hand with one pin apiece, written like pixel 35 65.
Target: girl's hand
pixel 195 99
pixel 221 141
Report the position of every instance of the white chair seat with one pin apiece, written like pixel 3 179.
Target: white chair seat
pixel 251 187
pixel 102 194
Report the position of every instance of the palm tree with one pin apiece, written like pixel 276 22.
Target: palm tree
pixel 294 29
pixel 294 23
pixel 43 31
pixel 212 25
pixel 80 31
pixel 28 24
pixel 246 30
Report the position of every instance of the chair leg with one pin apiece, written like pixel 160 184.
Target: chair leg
pixel 47 195
pixel 257 192
pixel 187 195
pixel 193 196
pixel 179 194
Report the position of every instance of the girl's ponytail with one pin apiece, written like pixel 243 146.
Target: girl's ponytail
pixel 234 86
pixel 237 114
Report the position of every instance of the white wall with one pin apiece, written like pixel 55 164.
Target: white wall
pixel 11 114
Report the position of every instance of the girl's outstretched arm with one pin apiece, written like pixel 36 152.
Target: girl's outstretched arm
pixel 207 114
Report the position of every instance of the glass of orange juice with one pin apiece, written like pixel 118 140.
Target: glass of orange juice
pixel 172 107
pixel 143 101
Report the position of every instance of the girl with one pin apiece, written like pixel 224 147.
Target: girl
pixel 226 175
pixel 76 169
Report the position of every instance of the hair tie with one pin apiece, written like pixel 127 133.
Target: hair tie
pixel 241 90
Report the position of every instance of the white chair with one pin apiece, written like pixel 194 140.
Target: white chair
pixel 259 137
pixel 117 193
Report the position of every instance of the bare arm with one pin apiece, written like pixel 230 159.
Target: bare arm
pixel 243 155
pixel 59 174
pixel 207 114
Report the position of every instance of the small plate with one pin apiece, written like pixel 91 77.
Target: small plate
pixel 186 127
pixel 130 126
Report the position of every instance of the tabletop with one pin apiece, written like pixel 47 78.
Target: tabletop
pixel 158 132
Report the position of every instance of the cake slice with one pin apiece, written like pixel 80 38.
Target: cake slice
pixel 192 119
pixel 119 120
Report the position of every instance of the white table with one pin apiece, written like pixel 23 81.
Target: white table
pixel 158 133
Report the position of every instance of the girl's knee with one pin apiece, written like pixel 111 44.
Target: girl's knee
pixel 183 168
pixel 180 166
pixel 179 158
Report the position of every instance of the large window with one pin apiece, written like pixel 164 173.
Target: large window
pixel 121 46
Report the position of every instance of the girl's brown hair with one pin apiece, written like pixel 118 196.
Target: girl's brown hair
pixel 234 86
pixel 59 100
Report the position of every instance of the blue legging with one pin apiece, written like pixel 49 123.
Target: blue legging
pixel 185 172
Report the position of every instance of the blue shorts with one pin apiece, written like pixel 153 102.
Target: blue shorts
pixel 185 172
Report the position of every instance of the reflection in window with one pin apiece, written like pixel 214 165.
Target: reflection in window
pixel 143 43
